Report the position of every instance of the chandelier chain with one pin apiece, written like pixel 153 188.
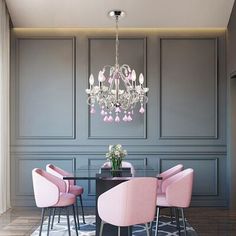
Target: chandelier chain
pixel 117 42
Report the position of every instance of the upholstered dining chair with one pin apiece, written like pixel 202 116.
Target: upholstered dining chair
pixel 50 193
pixel 165 175
pixel 71 187
pixel 124 164
pixel 129 203
pixel 177 194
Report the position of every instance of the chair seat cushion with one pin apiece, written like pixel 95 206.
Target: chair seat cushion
pixel 161 200
pixel 76 190
pixel 66 199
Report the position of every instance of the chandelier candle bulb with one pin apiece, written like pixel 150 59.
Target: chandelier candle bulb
pixel 117 90
pixel 141 79
pixel 91 80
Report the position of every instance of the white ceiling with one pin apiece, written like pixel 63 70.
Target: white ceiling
pixel 140 13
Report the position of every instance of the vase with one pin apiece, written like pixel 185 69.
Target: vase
pixel 116 164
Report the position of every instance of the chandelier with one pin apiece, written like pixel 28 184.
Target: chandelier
pixel 117 92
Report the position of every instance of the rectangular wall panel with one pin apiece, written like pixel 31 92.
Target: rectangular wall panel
pixel 45 88
pixel 205 174
pixel 132 51
pixel 188 89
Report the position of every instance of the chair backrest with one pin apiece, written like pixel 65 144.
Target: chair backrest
pixel 125 164
pixel 60 173
pixel 131 202
pixel 167 174
pixel 47 188
pixel 179 187
pixel 172 171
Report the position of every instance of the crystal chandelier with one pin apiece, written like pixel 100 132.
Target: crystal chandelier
pixel 117 92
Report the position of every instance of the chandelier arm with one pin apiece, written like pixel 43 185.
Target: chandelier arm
pixel 125 66
pixel 126 82
pixel 112 83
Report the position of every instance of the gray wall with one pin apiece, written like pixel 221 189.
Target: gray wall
pixel 186 114
pixel 231 68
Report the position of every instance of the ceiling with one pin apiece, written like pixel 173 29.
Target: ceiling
pixel 140 13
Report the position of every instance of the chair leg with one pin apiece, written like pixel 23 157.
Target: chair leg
pixel 147 229
pixel 76 230
pixel 68 220
pixel 177 219
pixel 59 215
pixel 150 228
pixel 77 213
pixel 157 221
pixel 184 223
pixel 118 230
pixel 49 220
pixel 82 207
pixel 129 230
pixel 53 216
pixel 101 228
pixel 171 215
pixel 42 219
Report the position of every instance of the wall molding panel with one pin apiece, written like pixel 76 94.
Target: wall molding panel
pixel 172 52
pixel 185 120
pixel 24 63
pixel 210 179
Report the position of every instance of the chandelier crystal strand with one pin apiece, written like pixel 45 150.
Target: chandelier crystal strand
pixel 117 91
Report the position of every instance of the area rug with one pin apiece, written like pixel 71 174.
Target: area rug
pixel 166 228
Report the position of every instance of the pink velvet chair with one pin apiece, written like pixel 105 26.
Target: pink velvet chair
pixel 165 175
pixel 177 193
pixel 50 193
pixel 71 187
pixel 124 164
pixel 129 203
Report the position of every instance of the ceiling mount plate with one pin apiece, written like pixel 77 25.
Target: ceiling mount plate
pixel 114 14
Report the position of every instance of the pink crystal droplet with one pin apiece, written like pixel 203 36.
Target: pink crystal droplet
pixel 92 110
pixel 117 119
pixel 118 109
pixel 142 110
pixel 125 118
pixel 105 119
pixel 129 118
pixel 110 80
pixel 110 119
pixel 102 112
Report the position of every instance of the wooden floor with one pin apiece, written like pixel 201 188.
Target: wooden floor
pixel 206 221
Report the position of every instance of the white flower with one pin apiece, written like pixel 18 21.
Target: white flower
pixel 110 147
pixel 117 153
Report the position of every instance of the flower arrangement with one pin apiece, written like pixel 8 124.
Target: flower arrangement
pixel 115 155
